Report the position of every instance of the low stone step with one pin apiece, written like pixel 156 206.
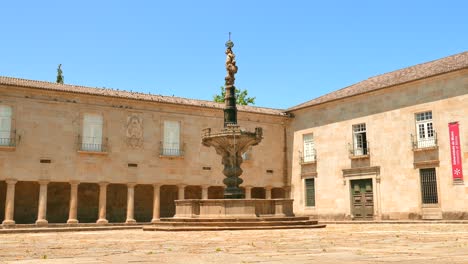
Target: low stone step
pixel 257 219
pixel 227 223
pixel 220 228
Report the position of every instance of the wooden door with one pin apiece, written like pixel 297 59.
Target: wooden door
pixel 362 199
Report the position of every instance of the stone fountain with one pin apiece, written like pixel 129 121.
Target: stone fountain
pixel 231 142
pixel 233 212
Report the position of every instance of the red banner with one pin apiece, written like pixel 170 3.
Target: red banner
pixel 455 151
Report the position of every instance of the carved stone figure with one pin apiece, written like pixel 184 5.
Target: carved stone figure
pixel 134 131
pixel 231 66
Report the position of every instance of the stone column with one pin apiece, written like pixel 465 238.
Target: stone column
pixel 130 203
pixel 10 203
pixel 204 194
pixel 182 191
pixel 102 203
pixel 156 192
pixel 248 192
pixel 72 213
pixel 268 192
pixel 42 210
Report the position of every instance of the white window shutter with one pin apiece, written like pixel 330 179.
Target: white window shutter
pixel 92 132
pixel 171 142
pixel 5 124
pixel 309 148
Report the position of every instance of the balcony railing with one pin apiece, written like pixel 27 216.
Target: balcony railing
pixel 308 158
pixel 92 144
pixel 356 152
pixel 8 142
pixel 424 143
pixel 176 150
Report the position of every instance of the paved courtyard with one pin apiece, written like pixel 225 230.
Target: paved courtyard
pixel 343 243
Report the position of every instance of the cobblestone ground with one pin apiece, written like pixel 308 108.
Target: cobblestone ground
pixel 345 243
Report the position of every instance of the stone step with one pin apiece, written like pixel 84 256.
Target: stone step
pixel 257 219
pixel 220 228
pixel 431 213
pixel 224 224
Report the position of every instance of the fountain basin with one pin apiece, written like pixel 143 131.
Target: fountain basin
pixel 233 208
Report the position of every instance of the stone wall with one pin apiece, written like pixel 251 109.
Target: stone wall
pixel 389 115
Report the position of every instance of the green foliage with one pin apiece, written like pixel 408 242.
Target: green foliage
pixel 60 77
pixel 241 97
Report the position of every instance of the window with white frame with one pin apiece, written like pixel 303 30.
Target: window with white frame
pixel 309 148
pixel 92 132
pixel 425 130
pixel 359 139
pixel 171 143
pixel 5 125
pixel 310 191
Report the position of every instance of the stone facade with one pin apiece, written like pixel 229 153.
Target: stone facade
pixel 392 165
pixel 46 176
pixel 105 185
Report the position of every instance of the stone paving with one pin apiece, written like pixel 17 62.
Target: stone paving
pixel 340 243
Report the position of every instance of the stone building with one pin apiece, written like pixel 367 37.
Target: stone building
pixel 379 149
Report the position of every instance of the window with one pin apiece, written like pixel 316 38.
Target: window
pixel 309 148
pixel 359 139
pixel 310 192
pixel 171 143
pixel 424 130
pixel 92 133
pixel 428 186
pixel 5 125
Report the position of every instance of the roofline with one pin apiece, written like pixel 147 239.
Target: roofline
pixel 280 112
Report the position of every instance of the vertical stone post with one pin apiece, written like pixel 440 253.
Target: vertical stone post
pixel 42 210
pixel 156 192
pixel 248 192
pixel 102 203
pixel 72 213
pixel 205 191
pixel 9 203
pixel 181 191
pixel 130 203
pixel 268 192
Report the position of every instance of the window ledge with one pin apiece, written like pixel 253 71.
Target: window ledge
pixel 425 149
pixel 305 163
pixel 171 157
pixel 359 156
pixel 7 148
pixel 426 164
pixel 86 152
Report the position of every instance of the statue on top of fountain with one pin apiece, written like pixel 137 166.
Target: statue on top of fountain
pixel 231 66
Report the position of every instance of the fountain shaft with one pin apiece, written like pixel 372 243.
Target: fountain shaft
pixel 230 109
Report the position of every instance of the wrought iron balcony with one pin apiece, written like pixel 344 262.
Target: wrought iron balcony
pixel 357 152
pixel 308 158
pixel 177 150
pixel 424 143
pixel 8 142
pixel 92 144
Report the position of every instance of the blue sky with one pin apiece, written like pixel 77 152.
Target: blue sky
pixel 288 52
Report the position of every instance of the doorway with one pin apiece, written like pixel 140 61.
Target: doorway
pixel 362 199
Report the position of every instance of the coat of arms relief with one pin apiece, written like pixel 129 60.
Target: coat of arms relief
pixel 134 131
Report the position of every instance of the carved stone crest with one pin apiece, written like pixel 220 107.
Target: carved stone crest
pixel 134 131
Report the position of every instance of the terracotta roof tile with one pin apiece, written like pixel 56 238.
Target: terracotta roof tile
pixel 130 95
pixel 413 73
